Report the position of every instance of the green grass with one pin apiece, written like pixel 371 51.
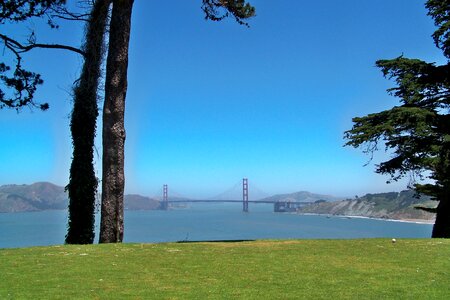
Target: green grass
pixel 310 269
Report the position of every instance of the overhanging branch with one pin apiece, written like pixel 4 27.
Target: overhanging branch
pixel 17 47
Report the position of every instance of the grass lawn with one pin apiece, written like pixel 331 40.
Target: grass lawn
pixel 293 269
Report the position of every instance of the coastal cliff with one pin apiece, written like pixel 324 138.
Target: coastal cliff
pixel 397 206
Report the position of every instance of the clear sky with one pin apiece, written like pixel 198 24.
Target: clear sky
pixel 209 103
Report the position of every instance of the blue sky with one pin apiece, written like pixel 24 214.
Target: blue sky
pixel 212 102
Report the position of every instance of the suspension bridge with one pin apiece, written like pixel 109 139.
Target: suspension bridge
pixel 279 206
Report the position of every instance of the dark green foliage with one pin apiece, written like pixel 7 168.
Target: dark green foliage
pixel 417 132
pixel 20 10
pixel 217 10
pixel 82 187
pixel 21 82
pixel 427 209
pixel 439 10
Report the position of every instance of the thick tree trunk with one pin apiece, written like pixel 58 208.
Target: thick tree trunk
pixel 441 228
pixel 82 186
pixel 113 182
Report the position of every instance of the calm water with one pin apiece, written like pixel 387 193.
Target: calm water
pixel 206 222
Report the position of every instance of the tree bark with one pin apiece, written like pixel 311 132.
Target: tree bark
pixel 113 182
pixel 83 183
pixel 441 228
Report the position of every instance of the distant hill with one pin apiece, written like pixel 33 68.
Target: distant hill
pixel 138 202
pixel 302 196
pixel 45 196
pixel 34 197
pixel 399 206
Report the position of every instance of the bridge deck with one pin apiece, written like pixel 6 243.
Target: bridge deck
pixel 233 201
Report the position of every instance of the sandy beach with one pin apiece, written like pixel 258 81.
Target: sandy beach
pixel 416 221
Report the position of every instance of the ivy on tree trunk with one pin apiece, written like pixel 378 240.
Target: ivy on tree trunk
pixel 82 187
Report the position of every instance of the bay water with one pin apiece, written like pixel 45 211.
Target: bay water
pixel 205 222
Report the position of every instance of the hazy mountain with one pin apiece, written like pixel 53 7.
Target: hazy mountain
pixel 302 196
pixel 384 205
pixel 44 195
pixel 34 197
pixel 138 202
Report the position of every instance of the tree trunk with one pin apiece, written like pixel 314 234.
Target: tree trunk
pixel 82 186
pixel 441 228
pixel 113 182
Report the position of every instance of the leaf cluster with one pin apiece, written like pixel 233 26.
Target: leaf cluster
pixel 217 10
pixel 21 10
pixel 24 84
pixel 439 10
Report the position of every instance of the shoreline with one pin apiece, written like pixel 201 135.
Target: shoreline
pixel 415 221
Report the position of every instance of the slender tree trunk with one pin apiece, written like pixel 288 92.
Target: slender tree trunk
pixel 113 182
pixel 82 186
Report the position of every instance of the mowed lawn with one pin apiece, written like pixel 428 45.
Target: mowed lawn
pixel 292 269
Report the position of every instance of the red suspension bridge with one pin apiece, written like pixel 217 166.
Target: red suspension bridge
pixel 278 205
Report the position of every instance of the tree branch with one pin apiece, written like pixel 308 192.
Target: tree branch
pixel 65 14
pixel 17 47
pixel 71 18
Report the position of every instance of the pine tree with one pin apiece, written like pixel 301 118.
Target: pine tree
pixel 417 131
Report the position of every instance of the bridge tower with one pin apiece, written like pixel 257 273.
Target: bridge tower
pixel 165 204
pixel 245 195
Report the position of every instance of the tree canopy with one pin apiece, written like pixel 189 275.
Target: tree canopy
pixel 21 10
pixel 217 10
pixel 21 84
pixel 416 132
